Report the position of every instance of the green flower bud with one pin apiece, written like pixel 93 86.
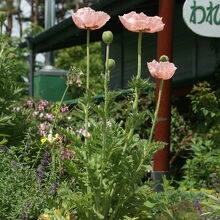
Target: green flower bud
pixel 3 16
pixel 164 58
pixel 107 37
pixel 111 64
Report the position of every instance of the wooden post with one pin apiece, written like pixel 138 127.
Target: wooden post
pixel 162 128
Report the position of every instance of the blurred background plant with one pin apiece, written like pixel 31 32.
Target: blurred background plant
pixel 11 85
pixel 76 56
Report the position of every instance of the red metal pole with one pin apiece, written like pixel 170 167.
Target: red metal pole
pixel 164 47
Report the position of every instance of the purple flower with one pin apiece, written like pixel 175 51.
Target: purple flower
pixel 43 102
pixel 54 187
pixel 198 205
pixel 16 164
pixel 30 104
pixel 41 173
pixel 41 107
pixel 46 159
pixel 49 116
pixel 46 155
pixel 67 154
pixel 64 108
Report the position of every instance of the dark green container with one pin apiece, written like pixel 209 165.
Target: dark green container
pixel 50 83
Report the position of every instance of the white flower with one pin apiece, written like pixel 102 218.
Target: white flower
pixel 83 132
pixel 109 123
pixel 41 115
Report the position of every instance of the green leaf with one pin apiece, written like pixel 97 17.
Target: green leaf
pixel 149 204
pixel 4 141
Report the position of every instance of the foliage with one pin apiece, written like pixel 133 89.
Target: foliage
pixel 167 204
pixel 11 85
pixel 212 205
pixel 32 30
pixel 53 166
pixel 22 195
pixel 203 155
pixel 76 56
pixel 106 159
pixel 180 144
pixel 108 168
pixel 205 106
pixel 195 139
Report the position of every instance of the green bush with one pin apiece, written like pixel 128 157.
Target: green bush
pixel 22 195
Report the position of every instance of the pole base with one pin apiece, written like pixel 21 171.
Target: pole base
pixel 158 177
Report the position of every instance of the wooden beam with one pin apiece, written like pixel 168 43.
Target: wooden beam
pixel 162 128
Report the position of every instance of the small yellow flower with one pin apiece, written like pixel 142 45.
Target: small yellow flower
pixel 43 140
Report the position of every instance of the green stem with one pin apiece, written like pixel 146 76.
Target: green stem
pixel 53 161
pixel 87 60
pixel 106 80
pixel 153 122
pixel 58 109
pixel 156 111
pixel 87 83
pixel 136 90
pixel 135 105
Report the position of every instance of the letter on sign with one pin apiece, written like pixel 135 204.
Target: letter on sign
pixel 203 17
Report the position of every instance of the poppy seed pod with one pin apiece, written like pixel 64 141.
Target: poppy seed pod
pixel 107 37
pixel 111 64
pixel 164 58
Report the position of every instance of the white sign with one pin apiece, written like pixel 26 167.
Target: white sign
pixel 203 17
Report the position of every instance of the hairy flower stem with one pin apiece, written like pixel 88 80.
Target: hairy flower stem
pixel 156 111
pixel 154 121
pixel 87 61
pixel 106 81
pixel 137 90
pixel 135 104
pixel 87 83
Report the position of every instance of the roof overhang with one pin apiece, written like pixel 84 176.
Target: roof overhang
pixel 66 34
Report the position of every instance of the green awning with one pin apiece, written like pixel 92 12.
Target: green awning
pixel 66 34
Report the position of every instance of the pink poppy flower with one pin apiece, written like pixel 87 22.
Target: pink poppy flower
pixel 87 18
pixel 161 70
pixel 141 23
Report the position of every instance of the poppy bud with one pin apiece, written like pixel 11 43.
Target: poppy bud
pixel 111 64
pixel 107 37
pixel 164 58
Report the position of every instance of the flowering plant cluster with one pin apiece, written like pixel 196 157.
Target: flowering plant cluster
pixel 93 160
pixel 107 159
